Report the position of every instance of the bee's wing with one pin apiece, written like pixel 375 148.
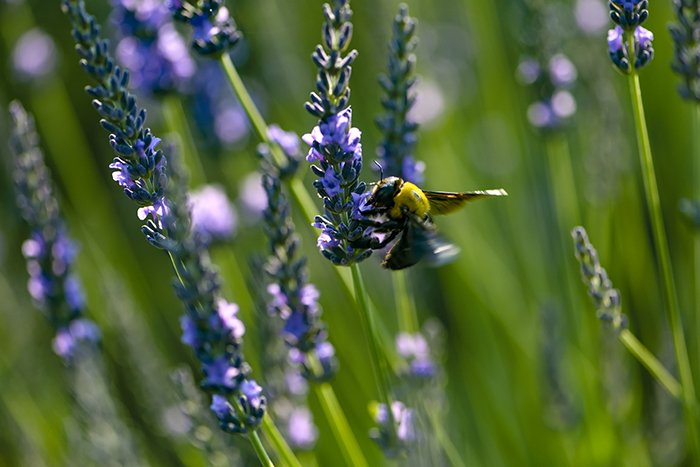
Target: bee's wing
pixel 444 202
pixel 420 241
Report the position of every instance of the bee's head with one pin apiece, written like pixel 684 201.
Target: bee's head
pixel 384 191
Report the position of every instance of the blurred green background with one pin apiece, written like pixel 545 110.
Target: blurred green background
pixel 531 376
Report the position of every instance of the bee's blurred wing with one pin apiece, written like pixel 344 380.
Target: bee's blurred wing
pixel 444 202
pixel 420 241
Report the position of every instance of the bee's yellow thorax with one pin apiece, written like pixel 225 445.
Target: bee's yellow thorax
pixel 412 199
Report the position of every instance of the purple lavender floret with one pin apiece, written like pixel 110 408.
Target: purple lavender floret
pixel 49 252
pixel 619 51
pixel 210 326
pixel 404 419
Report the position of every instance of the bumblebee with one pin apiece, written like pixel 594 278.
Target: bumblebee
pixel 407 210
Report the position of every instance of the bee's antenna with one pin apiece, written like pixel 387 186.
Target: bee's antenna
pixel 381 169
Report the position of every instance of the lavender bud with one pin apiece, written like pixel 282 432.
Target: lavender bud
pixel 605 298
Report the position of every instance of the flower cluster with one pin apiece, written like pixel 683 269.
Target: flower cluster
pixel 605 297
pixel 395 151
pixel 211 326
pixel 49 251
pixel 150 47
pixel 335 144
pixel 213 29
pixel 405 434
pixel 686 40
pixel 552 79
pixel 292 297
pixel 628 16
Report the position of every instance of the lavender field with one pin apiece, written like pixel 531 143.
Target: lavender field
pixel 232 232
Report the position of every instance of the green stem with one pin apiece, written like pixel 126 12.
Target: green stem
pixel 176 120
pixel 286 455
pixel 695 156
pixel 405 305
pixel 661 246
pixel 454 456
pixel 244 98
pixel 260 449
pixel 377 362
pixel 339 426
pixel 650 362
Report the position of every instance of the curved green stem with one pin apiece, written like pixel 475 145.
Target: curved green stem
pixel 661 247
pixel 339 425
pixel 378 363
pixel 405 305
pixel 286 455
pixel 650 362
pixel 695 147
pixel 244 98
pixel 260 449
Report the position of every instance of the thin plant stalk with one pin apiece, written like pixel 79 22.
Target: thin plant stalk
pixel 650 362
pixel 334 414
pixel 377 360
pixel 567 212
pixel 695 157
pixel 661 246
pixel 339 425
pixel 260 449
pixel 405 305
pixel 272 434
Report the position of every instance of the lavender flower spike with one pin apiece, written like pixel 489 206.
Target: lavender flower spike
pixel 605 297
pixel 49 251
pixel 686 42
pixel 335 144
pixel 292 297
pixel 210 326
pixel 398 129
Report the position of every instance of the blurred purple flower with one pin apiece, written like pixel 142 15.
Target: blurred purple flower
pixel 301 428
pixel 70 338
pixel 34 54
pixel 561 71
pixel 213 216
pixel 414 348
